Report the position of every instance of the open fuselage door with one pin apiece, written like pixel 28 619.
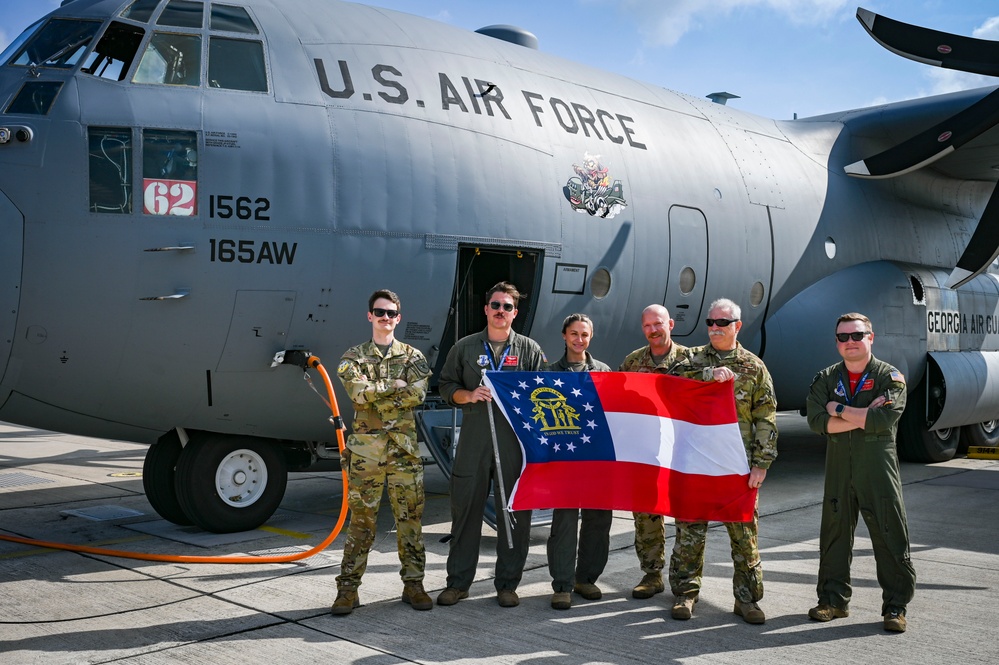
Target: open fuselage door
pixel 479 268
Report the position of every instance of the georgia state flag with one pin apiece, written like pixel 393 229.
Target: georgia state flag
pixel 640 442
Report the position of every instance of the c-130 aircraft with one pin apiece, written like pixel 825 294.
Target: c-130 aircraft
pixel 236 177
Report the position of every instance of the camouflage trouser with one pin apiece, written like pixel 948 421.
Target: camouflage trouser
pixel 686 564
pixel 650 542
pixel 366 478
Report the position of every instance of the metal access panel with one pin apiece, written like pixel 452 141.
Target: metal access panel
pixel 258 329
pixel 688 268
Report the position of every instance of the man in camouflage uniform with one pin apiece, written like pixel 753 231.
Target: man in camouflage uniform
pixel 661 356
pixel 857 405
pixel 724 359
pixel 498 347
pixel 385 379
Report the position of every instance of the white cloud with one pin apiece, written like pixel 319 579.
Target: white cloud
pixel 664 23
pixel 988 30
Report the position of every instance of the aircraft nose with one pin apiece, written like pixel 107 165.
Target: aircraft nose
pixel 11 249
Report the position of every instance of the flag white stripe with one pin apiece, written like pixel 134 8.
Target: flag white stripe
pixel 710 450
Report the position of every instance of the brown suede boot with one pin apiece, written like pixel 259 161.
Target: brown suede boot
pixel 413 594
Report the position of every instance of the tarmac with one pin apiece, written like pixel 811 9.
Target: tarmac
pixel 63 607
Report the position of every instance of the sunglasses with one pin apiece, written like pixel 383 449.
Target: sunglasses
pixel 855 336
pixel 378 312
pixel 721 323
pixel 507 306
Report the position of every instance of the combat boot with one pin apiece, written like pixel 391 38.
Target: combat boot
pixel 825 612
pixel 683 607
pixel 650 585
pixel 588 591
pixel 346 601
pixel 750 612
pixel 561 600
pixel 413 594
pixel 895 621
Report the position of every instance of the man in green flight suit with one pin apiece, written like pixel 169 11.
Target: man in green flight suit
pixel 724 359
pixel 386 379
pixel 661 356
pixel 497 347
pixel 857 404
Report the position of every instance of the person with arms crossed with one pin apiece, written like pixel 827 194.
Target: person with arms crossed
pixel 725 359
pixel 662 356
pixel 856 404
pixel 385 379
pixel 497 347
pixel 570 573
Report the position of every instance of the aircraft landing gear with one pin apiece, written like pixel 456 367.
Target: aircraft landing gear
pixel 158 473
pixel 916 443
pixel 980 434
pixel 226 483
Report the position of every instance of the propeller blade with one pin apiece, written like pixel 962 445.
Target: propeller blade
pixel 929 146
pixel 932 47
pixel 982 249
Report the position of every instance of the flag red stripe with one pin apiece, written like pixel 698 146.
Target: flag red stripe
pixel 637 488
pixel 698 402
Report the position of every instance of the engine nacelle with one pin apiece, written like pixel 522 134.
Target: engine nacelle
pixel 945 342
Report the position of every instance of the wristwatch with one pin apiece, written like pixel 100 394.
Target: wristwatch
pixel 839 410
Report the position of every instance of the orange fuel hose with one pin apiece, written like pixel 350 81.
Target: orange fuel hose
pixel 179 558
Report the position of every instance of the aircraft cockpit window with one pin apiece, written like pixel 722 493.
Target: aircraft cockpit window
pixel 226 18
pixel 183 14
pixel 140 10
pixel 236 64
pixel 35 98
pixel 169 172
pixel 19 42
pixel 171 59
pixel 60 43
pixel 110 162
pixel 115 51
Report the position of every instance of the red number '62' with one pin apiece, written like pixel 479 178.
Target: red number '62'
pixel 169 197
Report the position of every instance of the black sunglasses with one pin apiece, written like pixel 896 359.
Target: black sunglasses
pixel 507 306
pixel 378 312
pixel 855 336
pixel 721 323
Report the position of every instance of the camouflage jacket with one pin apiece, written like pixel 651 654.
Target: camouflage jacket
pixel 382 412
pixel 755 401
pixel 640 360
pixel 591 363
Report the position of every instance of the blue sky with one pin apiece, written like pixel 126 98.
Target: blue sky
pixel 780 56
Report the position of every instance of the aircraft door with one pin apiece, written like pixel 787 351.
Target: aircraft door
pixel 11 246
pixel 688 268
pixel 479 268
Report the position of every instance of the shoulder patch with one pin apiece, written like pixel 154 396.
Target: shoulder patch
pixel 897 376
pixel 342 367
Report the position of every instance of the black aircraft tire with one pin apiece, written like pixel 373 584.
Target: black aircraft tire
pixel 158 473
pixel 980 434
pixel 915 442
pixel 227 483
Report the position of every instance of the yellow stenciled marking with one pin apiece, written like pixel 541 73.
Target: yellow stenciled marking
pixel 285 532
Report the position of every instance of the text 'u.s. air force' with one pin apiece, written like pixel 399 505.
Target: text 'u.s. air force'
pixel 470 95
